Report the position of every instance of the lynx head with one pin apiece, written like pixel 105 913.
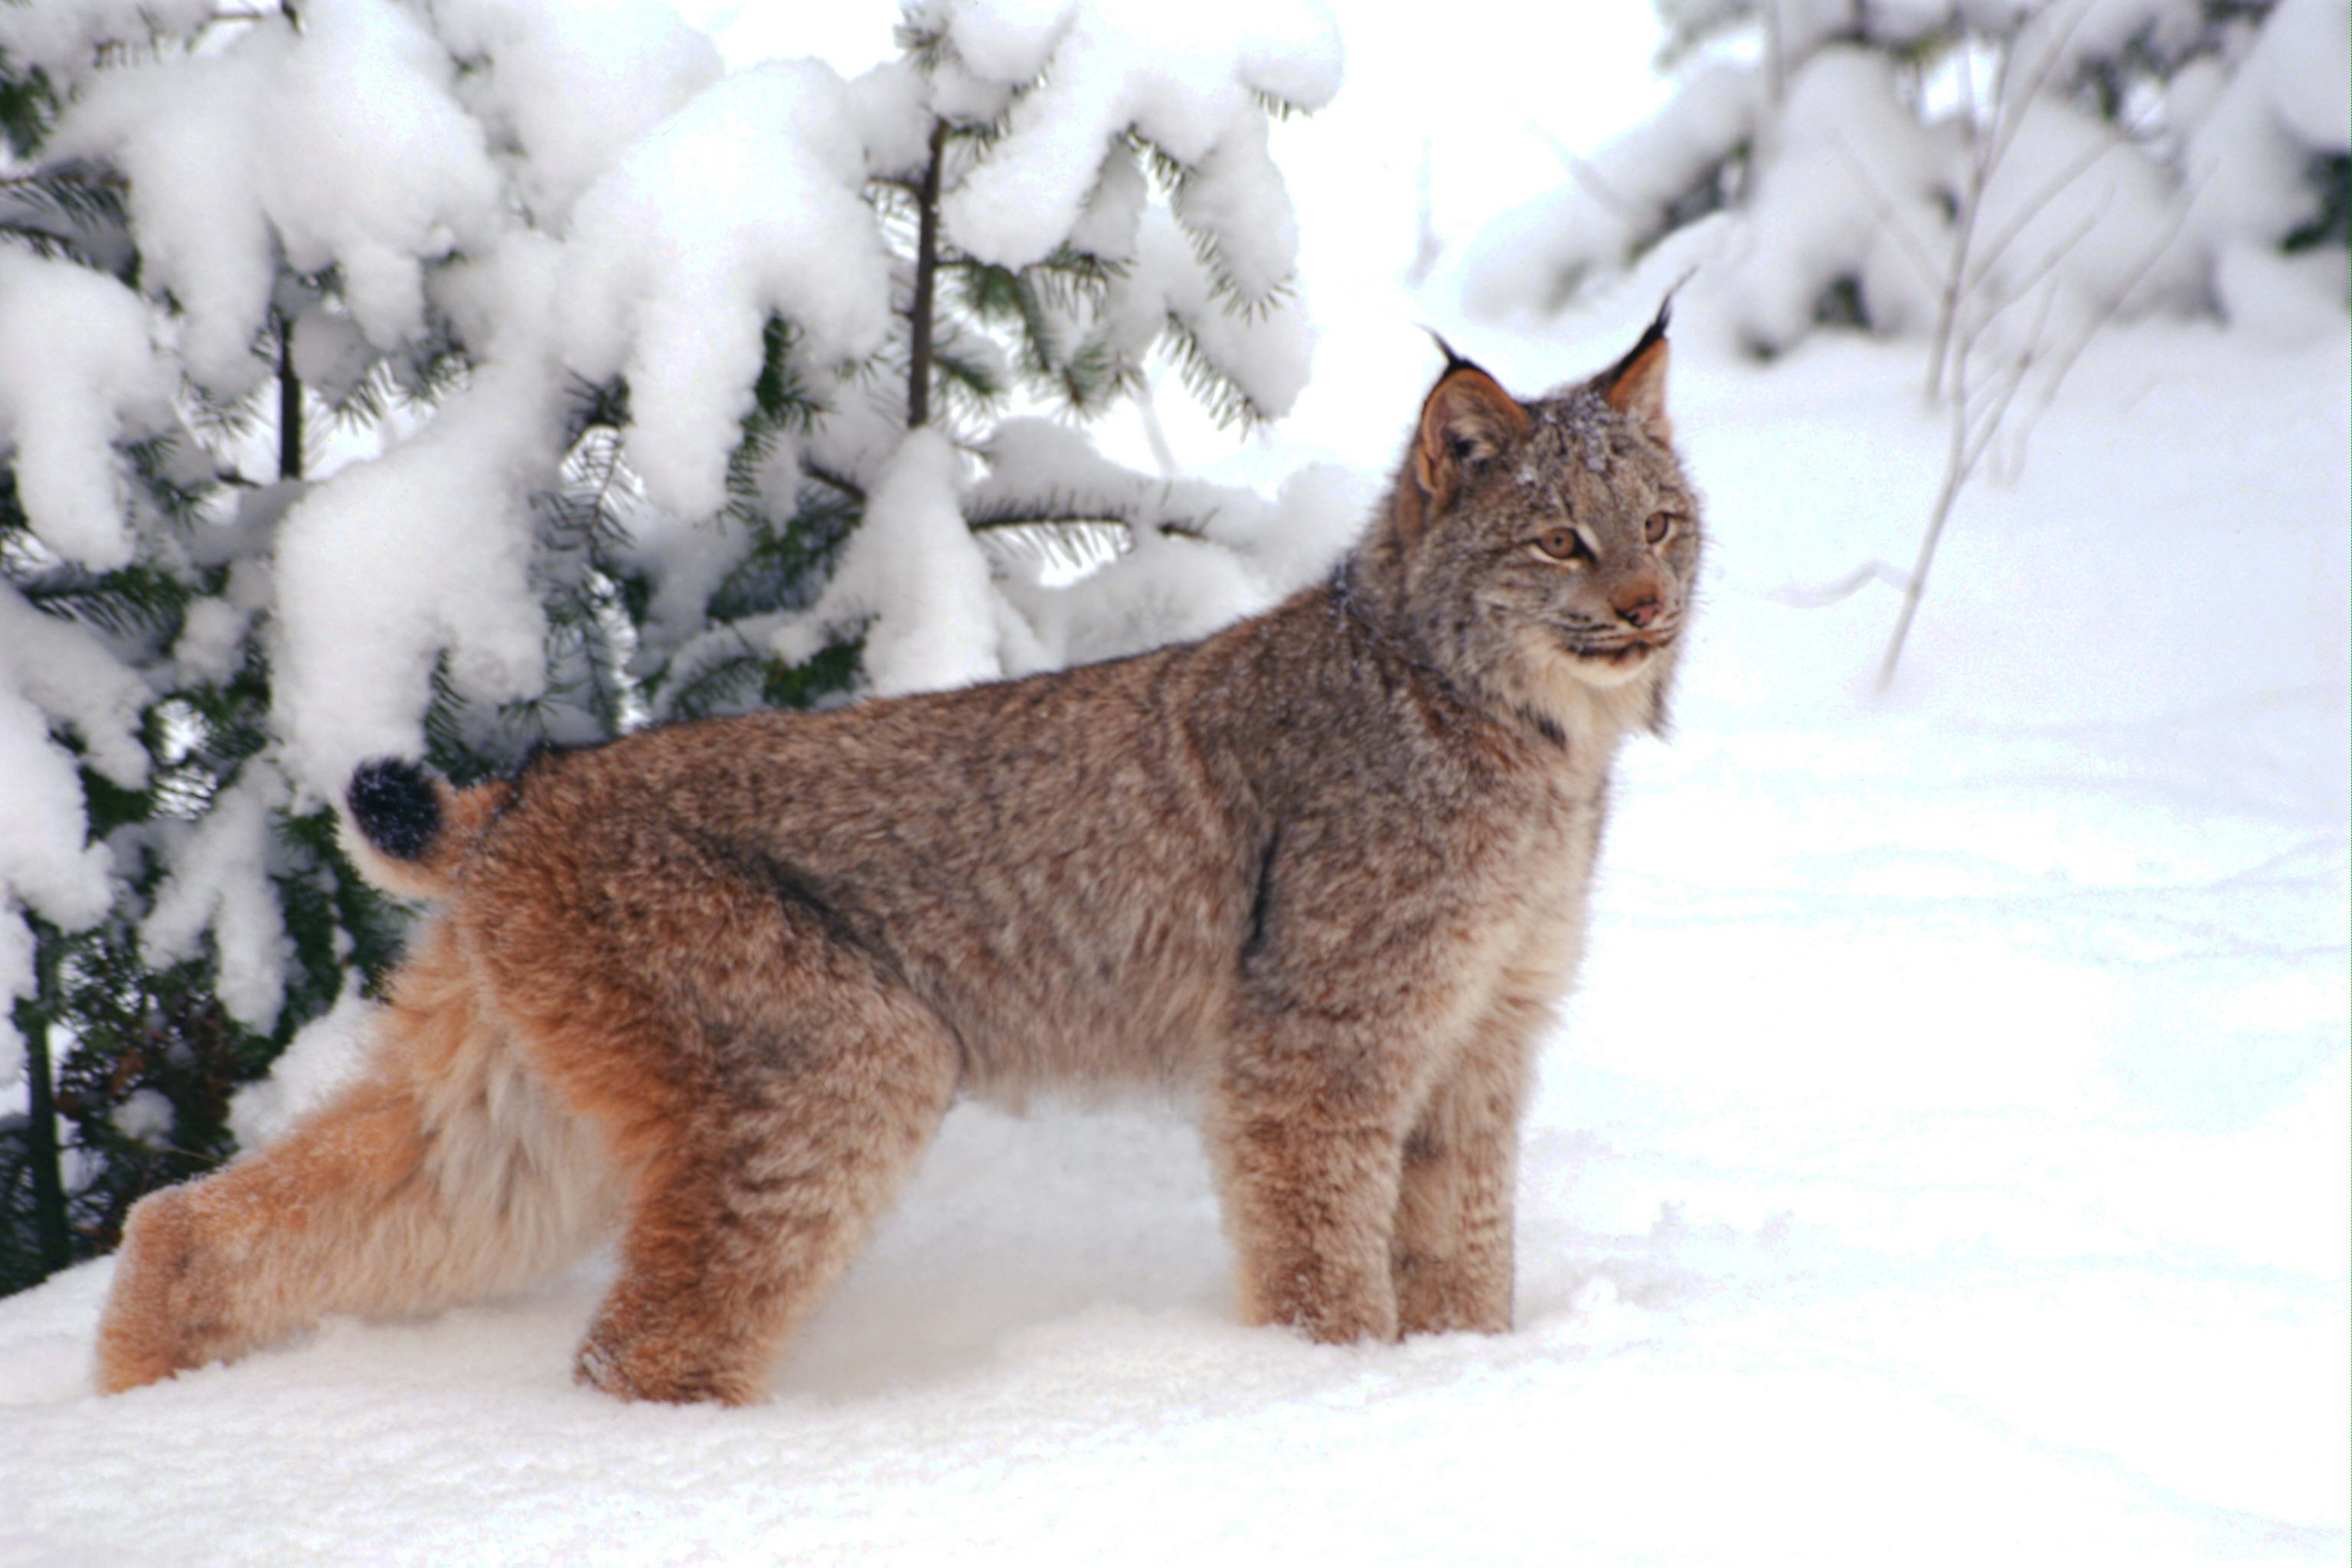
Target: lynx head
pixel 1542 554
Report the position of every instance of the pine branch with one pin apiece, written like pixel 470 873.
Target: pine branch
pixel 29 105
pixel 1227 401
pixel 719 687
pixel 63 210
pixel 132 602
pixel 1062 508
pixel 826 475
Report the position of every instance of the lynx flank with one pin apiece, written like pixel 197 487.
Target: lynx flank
pixel 716 984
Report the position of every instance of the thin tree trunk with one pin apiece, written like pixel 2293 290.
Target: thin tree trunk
pixel 927 281
pixel 290 405
pixel 41 1142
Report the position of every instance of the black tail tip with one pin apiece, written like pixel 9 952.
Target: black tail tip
pixel 395 805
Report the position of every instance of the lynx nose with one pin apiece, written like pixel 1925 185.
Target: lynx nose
pixel 1640 612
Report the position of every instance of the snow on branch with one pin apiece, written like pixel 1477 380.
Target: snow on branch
pixel 1843 146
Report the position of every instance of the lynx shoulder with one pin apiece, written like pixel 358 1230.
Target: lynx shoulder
pixel 715 985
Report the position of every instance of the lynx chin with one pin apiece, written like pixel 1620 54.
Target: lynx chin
pixel 714 985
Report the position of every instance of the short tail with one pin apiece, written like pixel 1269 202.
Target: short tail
pixel 409 830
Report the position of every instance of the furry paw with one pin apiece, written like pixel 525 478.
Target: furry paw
pixel 640 1370
pixel 163 1316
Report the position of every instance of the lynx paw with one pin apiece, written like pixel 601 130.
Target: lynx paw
pixel 163 1315
pixel 1444 1296
pixel 1326 1313
pixel 640 1370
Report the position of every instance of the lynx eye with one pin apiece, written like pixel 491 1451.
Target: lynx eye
pixel 1658 527
pixel 1563 543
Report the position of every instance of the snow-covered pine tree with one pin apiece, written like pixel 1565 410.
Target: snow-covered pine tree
pixel 382 376
pixel 2189 154
pixel 130 699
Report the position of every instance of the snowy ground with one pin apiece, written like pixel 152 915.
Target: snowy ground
pixel 1945 1160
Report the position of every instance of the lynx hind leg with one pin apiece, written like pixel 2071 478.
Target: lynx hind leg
pixel 444 1175
pixel 1451 1250
pixel 814 1106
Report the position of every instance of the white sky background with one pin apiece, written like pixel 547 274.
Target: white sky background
pixel 1490 93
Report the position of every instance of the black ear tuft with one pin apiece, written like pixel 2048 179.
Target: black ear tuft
pixel 1636 385
pixel 1454 360
pixel 1653 335
pixel 395 805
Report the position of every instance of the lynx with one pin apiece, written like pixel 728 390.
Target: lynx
pixel 716 984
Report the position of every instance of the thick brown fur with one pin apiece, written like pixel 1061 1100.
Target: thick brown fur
pixel 717 984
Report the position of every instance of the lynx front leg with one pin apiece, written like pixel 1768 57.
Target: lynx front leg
pixel 1451 1250
pixel 1309 1142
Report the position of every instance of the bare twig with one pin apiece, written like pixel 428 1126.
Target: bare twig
pixel 2031 207
pixel 1973 299
pixel 1889 219
pixel 2010 104
pixel 2048 392
pixel 1973 425
pixel 1626 211
pixel 1845 588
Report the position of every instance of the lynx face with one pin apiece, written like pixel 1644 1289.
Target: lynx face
pixel 1560 540
pixel 1591 536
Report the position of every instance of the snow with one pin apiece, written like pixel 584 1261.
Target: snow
pixel 1944 1157
pixel 45 867
pixel 1838 165
pixel 218 183
pixel 1612 200
pixel 1850 172
pixel 54 672
pixel 747 202
pixel 220 879
pixel 64 39
pixel 2248 148
pixel 915 572
pixel 1182 79
pixel 1942 1160
pixel 395 560
pixel 81 373
pixel 1199 555
pixel 324 1055
pixel 1267 351
pixel 568 85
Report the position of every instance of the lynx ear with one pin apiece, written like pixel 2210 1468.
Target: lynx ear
pixel 1469 417
pixel 1637 385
